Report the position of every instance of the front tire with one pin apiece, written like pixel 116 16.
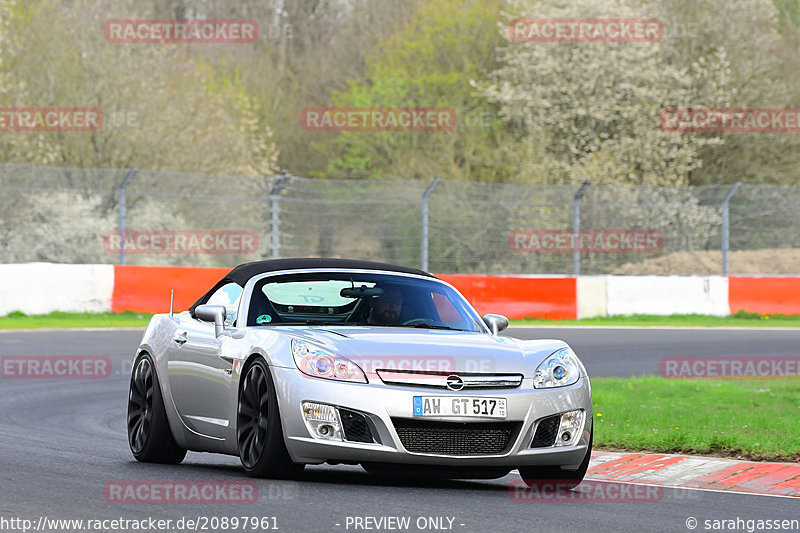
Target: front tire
pixel 567 479
pixel 149 436
pixel 259 433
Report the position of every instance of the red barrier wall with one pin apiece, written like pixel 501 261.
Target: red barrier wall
pixel 518 297
pixel 147 288
pixel 771 295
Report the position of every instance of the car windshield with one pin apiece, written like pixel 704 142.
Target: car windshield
pixel 338 298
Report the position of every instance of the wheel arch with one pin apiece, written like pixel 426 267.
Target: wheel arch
pixel 176 426
pixel 247 362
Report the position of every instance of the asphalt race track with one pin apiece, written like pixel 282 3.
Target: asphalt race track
pixel 626 352
pixel 63 441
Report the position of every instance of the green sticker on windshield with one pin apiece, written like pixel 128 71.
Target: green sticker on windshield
pixel 263 319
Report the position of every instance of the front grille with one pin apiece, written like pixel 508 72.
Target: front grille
pixel 355 426
pixel 438 380
pixel 456 438
pixel 546 432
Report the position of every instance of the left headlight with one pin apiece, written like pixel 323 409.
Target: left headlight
pixel 560 369
pixel 316 362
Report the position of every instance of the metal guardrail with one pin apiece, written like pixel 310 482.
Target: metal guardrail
pixel 132 216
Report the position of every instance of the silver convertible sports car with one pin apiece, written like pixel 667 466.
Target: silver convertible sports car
pixel 291 362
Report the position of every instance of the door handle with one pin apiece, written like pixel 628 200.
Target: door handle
pixel 180 337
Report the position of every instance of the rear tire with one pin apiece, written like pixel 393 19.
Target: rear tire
pixel 259 434
pixel 546 475
pixel 149 436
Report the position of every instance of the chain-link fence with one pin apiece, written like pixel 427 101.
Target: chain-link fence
pixel 132 216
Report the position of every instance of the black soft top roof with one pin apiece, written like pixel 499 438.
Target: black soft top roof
pixel 242 273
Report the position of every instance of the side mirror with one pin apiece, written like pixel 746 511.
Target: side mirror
pixel 212 313
pixel 496 323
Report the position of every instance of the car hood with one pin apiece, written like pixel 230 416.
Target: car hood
pixel 400 348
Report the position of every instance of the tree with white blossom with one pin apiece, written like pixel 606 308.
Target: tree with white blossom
pixel 590 110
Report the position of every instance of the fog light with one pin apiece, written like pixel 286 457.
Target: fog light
pixel 570 428
pixel 322 421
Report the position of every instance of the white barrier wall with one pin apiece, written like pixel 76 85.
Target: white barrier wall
pixel 665 295
pixel 41 288
pixel 592 296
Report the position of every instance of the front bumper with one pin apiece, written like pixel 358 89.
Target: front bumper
pixel 380 403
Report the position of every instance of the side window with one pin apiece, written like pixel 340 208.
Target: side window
pixel 229 296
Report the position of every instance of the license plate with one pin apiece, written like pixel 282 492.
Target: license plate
pixel 473 406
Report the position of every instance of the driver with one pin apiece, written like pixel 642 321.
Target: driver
pixel 385 309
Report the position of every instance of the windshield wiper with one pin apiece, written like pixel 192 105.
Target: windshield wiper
pixel 433 326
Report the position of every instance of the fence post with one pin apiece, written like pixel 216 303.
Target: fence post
pixel 275 217
pixel 425 196
pixel 121 209
pixel 576 228
pixel 726 225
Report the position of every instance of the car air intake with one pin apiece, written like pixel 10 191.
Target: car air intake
pixel 456 438
pixel 546 432
pixel 355 426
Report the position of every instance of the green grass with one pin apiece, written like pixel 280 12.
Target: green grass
pixel 755 419
pixel 739 319
pixel 17 320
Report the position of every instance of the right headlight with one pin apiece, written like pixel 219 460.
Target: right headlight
pixel 560 369
pixel 316 362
